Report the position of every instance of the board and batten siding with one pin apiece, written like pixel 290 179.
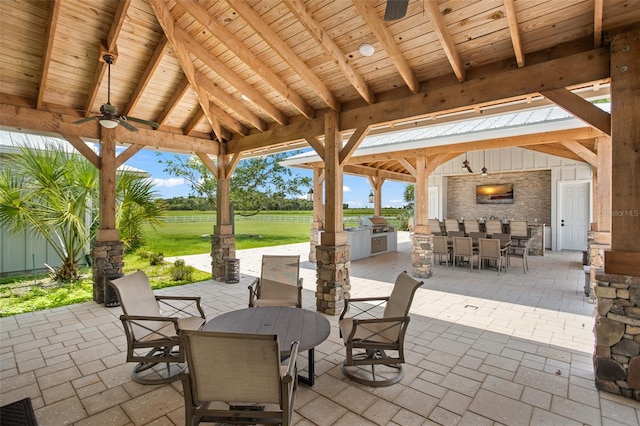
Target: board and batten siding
pixel 23 252
pixel 507 161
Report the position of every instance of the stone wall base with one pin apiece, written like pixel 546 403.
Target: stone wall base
pixel 108 259
pixel 421 255
pixel 616 357
pixel 333 283
pixel 223 247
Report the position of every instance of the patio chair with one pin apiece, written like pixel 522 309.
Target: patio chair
pixel 451 225
pixel 519 230
pixel 368 339
pixel 441 248
pixel 237 378
pixel 493 227
pixel 279 283
pixel 521 252
pixel 148 328
pixel 435 226
pixel 463 249
pixel 489 249
pixel 471 226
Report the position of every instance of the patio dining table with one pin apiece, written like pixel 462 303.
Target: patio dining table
pixel 290 324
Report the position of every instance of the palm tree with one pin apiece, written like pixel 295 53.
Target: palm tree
pixel 54 193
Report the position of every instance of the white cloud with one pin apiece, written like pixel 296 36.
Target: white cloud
pixel 168 183
pixel 346 188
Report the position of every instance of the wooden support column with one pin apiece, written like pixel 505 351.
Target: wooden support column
pixel 223 242
pixel 318 212
pixel 333 253
pixel 422 238
pixel 107 251
pixel 602 187
pixel 624 257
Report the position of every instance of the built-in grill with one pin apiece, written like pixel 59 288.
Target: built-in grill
pixel 379 225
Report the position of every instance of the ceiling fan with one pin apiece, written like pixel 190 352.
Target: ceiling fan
pixel 395 9
pixel 110 118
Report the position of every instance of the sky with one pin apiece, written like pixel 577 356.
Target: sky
pixel 356 188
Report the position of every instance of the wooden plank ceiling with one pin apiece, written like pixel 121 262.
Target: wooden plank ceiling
pixel 260 74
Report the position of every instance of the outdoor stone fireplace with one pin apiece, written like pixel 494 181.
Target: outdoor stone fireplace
pixel 617 330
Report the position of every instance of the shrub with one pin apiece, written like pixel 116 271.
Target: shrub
pixel 156 259
pixel 180 271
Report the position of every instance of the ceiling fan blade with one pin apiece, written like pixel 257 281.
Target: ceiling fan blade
pixel 84 120
pixel 140 120
pixel 123 122
pixel 395 9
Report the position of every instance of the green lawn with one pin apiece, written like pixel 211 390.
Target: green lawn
pixel 27 294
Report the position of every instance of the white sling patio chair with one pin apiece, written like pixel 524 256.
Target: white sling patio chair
pixel 368 339
pixel 237 378
pixel 153 331
pixel 279 283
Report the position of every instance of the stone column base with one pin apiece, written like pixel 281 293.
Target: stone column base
pixel 421 255
pixel 223 247
pixel 617 353
pixel 332 278
pixel 108 259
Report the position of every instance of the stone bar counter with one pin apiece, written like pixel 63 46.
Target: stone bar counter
pixel 617 329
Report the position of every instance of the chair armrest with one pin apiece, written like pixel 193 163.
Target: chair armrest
pixel 390 323
pixel 293 359
pixel 347 301
pixel 254 291
pixel 177 309
pixel 299 293
pixel 139 320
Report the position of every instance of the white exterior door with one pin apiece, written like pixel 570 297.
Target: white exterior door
pixel 434 202
pixel 574 215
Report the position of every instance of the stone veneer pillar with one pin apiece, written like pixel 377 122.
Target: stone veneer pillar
pixel 108 259
pixel 597 243
pixel 617 331
pixel 421 255
pixel 223 247
pixel 333 283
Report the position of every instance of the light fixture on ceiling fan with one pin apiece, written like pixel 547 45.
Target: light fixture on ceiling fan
pixel 109 117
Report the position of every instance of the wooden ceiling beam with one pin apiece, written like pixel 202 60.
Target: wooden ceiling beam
pixel 209 164
pixel 580 68
pixel 372 171
pixel 408 166
pixel 568 71
pixel 381 32
pixel 114 32
pixel 317 145
pixel 598 11
pixel 145 78
pixel 299 9
pixel 54 11
pixel 581 151
pixel 201 14
pixel 434 161
pixel 173 102
pixel 231 102
pixel 583 109
pixel 514 31
pixel 193 122
pixel 128 153
pixel 167 23
pixel 230 76
pixel 15 117
pixel 554 149
pixel 435 16
pixel 352 144
pixel 84 150
pixel 272 38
